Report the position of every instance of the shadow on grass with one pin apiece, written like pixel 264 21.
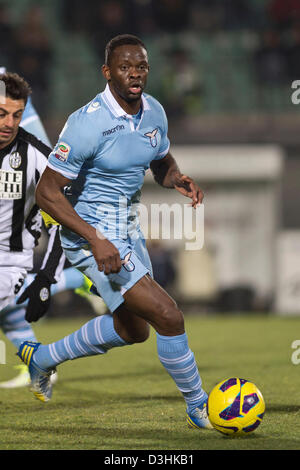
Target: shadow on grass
pixel 133 436
pixel 113 376
pixel 66 400
pixel 120 432
pixel 142 372
pixel 93 398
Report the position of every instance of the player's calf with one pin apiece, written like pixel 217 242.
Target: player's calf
pixel 148 301
pixel 130 327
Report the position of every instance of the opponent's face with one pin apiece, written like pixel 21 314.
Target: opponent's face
pixel 10 118
pixel 127 72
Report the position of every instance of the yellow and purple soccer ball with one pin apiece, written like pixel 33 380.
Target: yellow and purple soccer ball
pixel 235 407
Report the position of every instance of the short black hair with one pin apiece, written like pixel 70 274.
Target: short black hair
pixel 16 87
pixel 121 40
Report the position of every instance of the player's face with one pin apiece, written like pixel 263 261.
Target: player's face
pixel 10 118
pixel 127 73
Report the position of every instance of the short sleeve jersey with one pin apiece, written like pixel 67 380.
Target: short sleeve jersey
pixel 106 152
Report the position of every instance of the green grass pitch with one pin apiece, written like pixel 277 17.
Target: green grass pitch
pixel 125 400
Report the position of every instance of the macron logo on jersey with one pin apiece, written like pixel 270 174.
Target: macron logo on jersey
pixel 119 127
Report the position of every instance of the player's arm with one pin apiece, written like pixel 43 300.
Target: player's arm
pixel 54 258
pixel 50 198
pixel 39 291
pixel 167 174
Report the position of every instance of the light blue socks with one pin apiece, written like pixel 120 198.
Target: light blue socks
pixel 177 358
pixel 95 337
pixel 98 336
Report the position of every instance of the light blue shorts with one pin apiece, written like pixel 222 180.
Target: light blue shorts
pixel 112 287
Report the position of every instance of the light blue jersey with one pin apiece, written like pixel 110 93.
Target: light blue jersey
pixel 106 153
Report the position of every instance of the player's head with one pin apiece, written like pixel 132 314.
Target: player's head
pixel 121 40
pixel 13 98
pixel 126 66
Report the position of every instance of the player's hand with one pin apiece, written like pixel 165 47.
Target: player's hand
pixel 38 293
pixel 106 255
pixel 187 186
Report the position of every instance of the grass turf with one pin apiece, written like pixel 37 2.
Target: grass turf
pixel 126 401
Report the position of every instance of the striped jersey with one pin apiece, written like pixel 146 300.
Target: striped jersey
pixel 21 165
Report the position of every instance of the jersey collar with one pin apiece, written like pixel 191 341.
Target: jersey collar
pixel 114 106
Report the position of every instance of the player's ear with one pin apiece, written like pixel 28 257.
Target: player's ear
pixel 106 72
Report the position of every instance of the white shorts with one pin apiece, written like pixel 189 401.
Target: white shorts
pixel 11 281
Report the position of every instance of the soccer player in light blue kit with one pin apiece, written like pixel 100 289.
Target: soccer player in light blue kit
pixel 102 154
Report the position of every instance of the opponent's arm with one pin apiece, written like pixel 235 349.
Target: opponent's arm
pixel 167 174
pixel 54 258
pixel 50 198
pixel 39 291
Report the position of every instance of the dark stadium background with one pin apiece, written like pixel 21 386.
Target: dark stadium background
pixel 224 71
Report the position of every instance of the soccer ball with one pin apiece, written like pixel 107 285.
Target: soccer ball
pixel 235 407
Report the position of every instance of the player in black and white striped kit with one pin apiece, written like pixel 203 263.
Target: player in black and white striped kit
pixel 23 158
pixel 21 164
pixel 22 161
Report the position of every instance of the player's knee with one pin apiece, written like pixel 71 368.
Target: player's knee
pixel 171 318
